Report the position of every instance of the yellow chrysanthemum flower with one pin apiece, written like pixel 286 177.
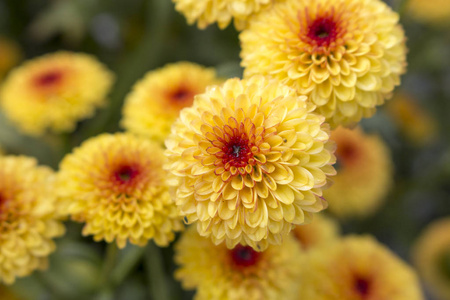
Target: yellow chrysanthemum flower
pixel 346 55
pixel 115 184
pixel 10 55
pixel 155 102
pixel 357 268
pixel 436 12
pixel 219 273
pixel 249 160
pixel 321 230
pixel 206 12
pixel 54 92
pixel 365 174
pixel 28 217
pixel 431 256
pixel 413 121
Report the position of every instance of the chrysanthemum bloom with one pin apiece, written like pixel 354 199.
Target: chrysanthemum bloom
pixel 249 160
pixel 413 121
pixel 115 184
pixel 219 273
pixel 365 174
pixel 10 55
pixel 54 92
pixel 346 55
pixel 321 230
pixel 155 102
pixel 206 12
pixel 28 218
pixel 357 268
pixel 436 12
pixel 431 255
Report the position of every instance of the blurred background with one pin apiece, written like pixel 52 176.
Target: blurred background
pixel 134 36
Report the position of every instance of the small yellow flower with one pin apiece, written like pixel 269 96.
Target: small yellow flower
pixel 346 55
pixel 54 92
pixel 155 102
pixel 115 184
pixel 206 12
pixel 365 174
pixel 436 12
pixel 413 121
pixel 10 55
pixel 431 255
pixel 249 161
pixel 219 273
pixel 357 268
pixel 321 230
pixel 28 217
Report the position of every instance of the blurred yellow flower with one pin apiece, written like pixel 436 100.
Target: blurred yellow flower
pixel 365 174
pixel 54 92
pixel 413 121
pixel 206 12
pixel 155 102
pixel 219 273
pixel 431 255
pixel 249 160
pixel 28 217
pixel 322 229
pixel 115 184
pixel 357 268
pixel 435 12
pixel 10 55
pixel 346 55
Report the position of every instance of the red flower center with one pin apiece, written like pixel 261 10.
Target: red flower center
pixel 346 153
pixel 182 97
pixel 323 31
pixel 48 79
pixel 362 286
pixel 244 256
pixel 125 174
pixel 236 152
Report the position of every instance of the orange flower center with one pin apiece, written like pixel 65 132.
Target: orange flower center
pixel 236 152
pixel 125 174
pixel 323 31
pixel 362 287
pixel 181 97
pixel 347 153
pixel 244 256
pixel 48 79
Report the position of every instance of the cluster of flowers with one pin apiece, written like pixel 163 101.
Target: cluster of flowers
pixel 246 160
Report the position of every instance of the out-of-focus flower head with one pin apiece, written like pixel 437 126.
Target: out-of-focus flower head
pixel 365 174
pixel 29 219
pixel 54 92
pixel 346 55
pixel 155 102
pixel 240 273
pixel 431 255
pixel 10 55
pixel 115 184
pixel 206 12
pixel 322 229
pixel 357 268
pixel 249 161
pixel 436 12
pixel 413 120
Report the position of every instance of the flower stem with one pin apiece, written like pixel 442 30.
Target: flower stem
pixel 109 263
pixel 156 276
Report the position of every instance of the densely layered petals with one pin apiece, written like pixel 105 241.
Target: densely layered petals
pixel 156 100
pixel 249 161
pixel 54 91
pixel 365 174
pixel 357 268
pixel 29 219
pixel 346 55
pixel 115 184
pixel 431 255
pixel 206 12
pixel 219 273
